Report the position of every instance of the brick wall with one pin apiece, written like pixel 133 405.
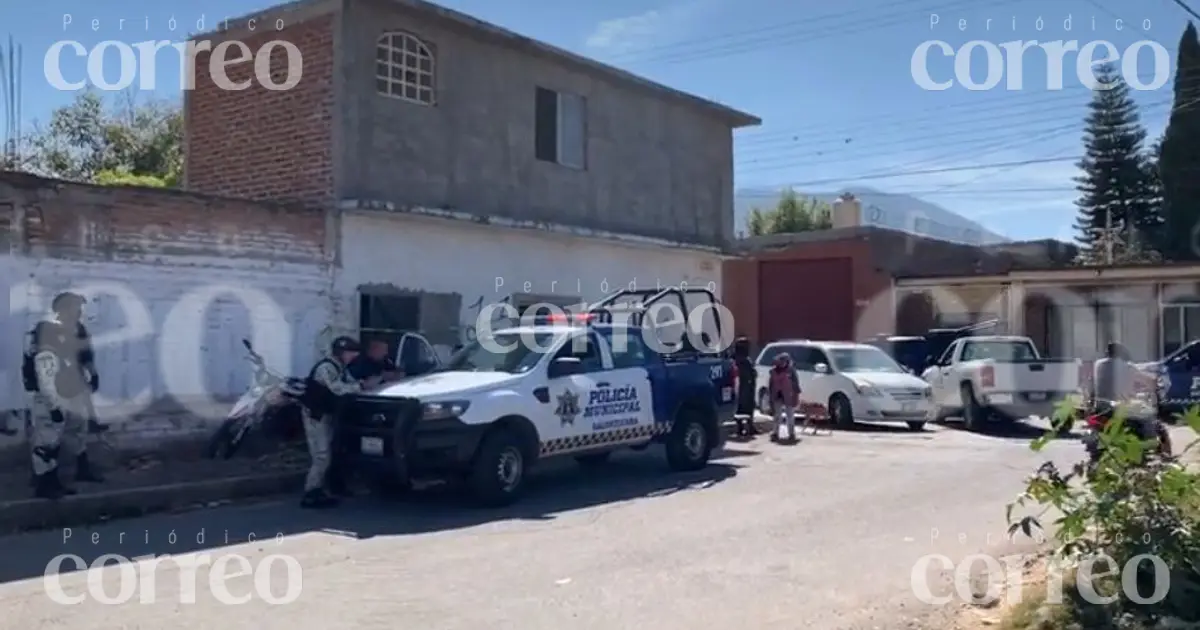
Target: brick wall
pixel 175 281
pixel 263 144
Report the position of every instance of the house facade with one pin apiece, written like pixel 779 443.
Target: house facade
pixel 461 153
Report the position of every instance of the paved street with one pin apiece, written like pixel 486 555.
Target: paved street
pixel 822 534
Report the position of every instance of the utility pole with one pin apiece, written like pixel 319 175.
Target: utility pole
pixel 1108 236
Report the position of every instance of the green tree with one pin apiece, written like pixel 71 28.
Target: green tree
pixel 128 142
pixel 792 213
pixel 1179 167
pixel 1116 191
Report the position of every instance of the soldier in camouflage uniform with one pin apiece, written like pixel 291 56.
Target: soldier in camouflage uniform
pixel 61 403
pixel 331 376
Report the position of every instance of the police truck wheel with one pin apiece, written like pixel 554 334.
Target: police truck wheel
pixel 689 443
pixel 497 476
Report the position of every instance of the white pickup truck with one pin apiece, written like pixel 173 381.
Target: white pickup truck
pixel 999 378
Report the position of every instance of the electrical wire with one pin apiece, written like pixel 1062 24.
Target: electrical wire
pixel 790 32
pixel 1193 104
pixel 1183 5
pixel 872 125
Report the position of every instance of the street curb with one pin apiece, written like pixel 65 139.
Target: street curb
pixel 28 514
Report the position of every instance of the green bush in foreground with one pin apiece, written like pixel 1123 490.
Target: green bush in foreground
pixel 1131 502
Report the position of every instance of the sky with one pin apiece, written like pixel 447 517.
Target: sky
pixel 832 82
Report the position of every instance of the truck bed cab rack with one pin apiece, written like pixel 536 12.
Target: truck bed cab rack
pixel 630 307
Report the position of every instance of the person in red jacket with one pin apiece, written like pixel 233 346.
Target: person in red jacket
pixel 785 394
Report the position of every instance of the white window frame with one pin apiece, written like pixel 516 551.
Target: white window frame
pixel 411 51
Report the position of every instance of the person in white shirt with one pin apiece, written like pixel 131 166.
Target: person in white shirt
pixel 1114 378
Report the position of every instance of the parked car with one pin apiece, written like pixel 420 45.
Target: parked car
pixel 857 382
pixel 918 352
pixel 999 378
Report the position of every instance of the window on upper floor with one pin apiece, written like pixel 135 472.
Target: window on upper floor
pixel 404 68
pixel 560 128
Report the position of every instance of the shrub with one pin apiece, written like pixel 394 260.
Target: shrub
pixel 1128 503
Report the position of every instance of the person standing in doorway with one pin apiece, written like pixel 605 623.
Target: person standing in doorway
pixel 327 385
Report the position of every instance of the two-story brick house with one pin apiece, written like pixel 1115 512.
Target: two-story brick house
pixel 466 164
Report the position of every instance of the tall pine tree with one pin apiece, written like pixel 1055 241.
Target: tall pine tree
pixel 1116 189
pixel 1179 166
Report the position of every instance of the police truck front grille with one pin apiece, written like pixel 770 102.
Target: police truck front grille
pixel 379 414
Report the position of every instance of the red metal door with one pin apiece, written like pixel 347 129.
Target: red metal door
pixel 806 299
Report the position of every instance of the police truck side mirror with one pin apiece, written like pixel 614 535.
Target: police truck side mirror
pixel 564 366
pixel 821 368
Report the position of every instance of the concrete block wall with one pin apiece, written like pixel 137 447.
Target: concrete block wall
pixel 174 281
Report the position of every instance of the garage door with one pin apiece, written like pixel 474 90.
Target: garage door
pixel 806 299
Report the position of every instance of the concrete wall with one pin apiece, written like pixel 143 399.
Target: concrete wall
pixel 174 280
pixel 464 266
pixel 654 167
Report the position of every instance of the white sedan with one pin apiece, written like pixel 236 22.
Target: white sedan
pixel 857 382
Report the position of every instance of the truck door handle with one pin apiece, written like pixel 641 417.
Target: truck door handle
pixel 602 384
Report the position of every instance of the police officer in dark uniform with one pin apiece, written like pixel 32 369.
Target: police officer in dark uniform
pixel 745 385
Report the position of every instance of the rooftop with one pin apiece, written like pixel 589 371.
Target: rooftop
pixel 302 10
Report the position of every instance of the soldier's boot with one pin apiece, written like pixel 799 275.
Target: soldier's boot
pixel 85 472
pixel 49 486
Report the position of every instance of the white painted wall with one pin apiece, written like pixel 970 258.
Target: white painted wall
pixel 492 262
pixel 172 325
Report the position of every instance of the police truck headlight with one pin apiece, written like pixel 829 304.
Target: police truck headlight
pixel 450 409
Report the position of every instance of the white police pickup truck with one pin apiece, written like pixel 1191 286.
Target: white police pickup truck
pixel 581 387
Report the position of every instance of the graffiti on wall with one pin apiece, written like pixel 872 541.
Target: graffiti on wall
pixel 474 312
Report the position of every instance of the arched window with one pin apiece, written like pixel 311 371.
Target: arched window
pixel 404 68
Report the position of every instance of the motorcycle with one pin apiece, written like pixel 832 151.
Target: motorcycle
pixel 270 403
pixel 1140 418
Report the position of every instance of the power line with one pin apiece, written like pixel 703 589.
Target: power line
pixel 932 191
pixel 1041 136
pixel 1183 5
pixel 793 31
pixel 932 171
pixel 765 136
pixel 936 139
pixel 978 167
